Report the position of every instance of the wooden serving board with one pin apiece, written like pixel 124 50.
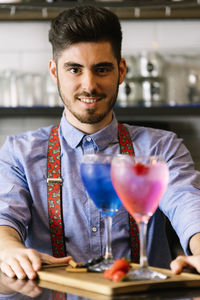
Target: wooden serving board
pixel 95 282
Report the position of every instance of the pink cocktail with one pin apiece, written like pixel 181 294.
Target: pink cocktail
pixel 140 183
pixel 140 186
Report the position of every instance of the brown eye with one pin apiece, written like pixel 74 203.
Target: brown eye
pixel 74 70
pixel 102 70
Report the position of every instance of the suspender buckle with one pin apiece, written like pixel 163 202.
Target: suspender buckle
pixel 54 180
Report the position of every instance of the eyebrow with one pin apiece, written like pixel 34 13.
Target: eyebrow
pixel 104 64
pixel 101 64
pixel 72 64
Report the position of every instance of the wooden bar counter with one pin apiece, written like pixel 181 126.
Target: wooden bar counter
pixel 93 286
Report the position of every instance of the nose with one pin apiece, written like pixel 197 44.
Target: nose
pixel 89 81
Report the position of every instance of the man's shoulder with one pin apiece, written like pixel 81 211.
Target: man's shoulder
pixel 38 134
pixel 28 141
pixel 140 131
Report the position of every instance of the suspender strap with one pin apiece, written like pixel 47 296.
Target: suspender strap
pixel 126 147
pixel 54 182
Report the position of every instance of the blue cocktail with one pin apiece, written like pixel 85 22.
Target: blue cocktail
pixel 95 173
pixel 97 180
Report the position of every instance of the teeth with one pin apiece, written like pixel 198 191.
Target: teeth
pixel 88 100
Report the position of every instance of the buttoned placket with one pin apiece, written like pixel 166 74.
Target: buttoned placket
pixel 95 220
pixel 88 145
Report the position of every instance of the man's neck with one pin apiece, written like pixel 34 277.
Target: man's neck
pixel 88 128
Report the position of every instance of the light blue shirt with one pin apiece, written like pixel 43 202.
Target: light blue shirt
pixel 23 191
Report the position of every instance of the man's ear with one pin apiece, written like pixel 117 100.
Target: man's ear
pixel 53 70
pixel 122 70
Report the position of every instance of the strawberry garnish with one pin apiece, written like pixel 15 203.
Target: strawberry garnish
pixel 141 169
pixel 118 270
pixel 119 276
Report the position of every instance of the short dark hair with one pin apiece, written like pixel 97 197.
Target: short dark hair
pixel 85 24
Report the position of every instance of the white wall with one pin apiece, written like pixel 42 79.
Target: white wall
pixel 175 36
pixel 24 45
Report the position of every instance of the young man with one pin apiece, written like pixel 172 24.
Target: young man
pixel 87 68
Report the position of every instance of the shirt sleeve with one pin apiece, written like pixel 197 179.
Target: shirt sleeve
pixel 15 199
pixel 181 202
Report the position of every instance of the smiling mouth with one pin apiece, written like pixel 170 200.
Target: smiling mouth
pixel 89 100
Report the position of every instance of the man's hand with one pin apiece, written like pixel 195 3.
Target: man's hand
pixel 23 262
pixel 18 261
pixel 191 262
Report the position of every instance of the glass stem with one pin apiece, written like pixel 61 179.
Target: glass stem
pixel 108 228
pixel 143 244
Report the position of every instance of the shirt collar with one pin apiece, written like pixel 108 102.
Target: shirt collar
pixel 102 138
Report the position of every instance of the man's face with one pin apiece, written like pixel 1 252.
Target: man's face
pixel 87 75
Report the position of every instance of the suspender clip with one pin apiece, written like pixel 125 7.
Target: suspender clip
pixel 54 180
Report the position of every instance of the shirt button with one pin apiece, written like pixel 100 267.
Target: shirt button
pixel 88 139
pixel 94 229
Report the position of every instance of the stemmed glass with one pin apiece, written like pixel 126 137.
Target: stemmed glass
pixel 140 183
pixel 95 174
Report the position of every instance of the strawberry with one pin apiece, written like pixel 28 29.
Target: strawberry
pixel 121 264
pixel 108 274
pixel 141 169
pixel 118 275
pixel 118 270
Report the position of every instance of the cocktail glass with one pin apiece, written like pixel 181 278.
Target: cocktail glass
pixel 95 174
pixel 140 183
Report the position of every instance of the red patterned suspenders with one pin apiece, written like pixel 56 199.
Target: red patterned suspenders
pixel 126 147
pixel 54 192
pixel 54 182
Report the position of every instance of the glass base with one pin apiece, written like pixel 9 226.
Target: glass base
pixel 146 274
pixel 101 266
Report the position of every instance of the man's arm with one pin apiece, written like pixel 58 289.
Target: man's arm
pixel 194 244
pixel 192 261
pixel 17 260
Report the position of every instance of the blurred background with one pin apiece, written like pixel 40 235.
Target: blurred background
pixel 161 44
